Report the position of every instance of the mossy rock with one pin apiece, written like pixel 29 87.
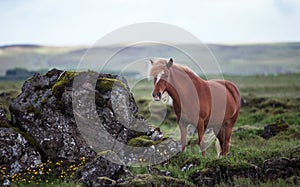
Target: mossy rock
pixel 142 141
pixel 65 80
pixel 142 180
pixel 106 84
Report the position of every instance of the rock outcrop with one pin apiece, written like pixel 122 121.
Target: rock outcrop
pixel 70 115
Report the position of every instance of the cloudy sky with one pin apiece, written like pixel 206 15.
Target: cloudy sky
pixel 74 22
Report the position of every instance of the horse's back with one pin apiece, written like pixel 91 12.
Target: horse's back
pixel 226 90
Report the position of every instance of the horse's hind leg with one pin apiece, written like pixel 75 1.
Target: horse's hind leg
pixel 224 135
pixel 221 138
pixel 200 129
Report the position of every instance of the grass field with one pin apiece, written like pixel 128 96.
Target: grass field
pixel 269 99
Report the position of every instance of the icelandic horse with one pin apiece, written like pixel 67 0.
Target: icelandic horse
pixel 196 107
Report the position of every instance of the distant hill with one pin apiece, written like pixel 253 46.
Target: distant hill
pixel 258 58
pixel 20 46
pixel 249 59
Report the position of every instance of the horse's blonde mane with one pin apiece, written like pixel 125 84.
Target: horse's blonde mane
pixel 161 65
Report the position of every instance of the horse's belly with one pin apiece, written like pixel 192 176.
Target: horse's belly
pixel 190 118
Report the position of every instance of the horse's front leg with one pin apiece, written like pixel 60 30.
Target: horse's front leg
pixel 201 136
pixel 183 134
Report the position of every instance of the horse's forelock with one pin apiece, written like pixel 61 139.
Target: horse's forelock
pixel 158 67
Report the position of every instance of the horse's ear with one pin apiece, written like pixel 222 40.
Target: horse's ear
pixel 170 63
pixel 151 61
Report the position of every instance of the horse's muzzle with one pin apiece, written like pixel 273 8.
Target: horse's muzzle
pixel 156 96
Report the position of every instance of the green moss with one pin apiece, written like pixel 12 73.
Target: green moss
pixel 141 141
pixel 112 182
pixel 65 80
pixel 106 84
pixel 144 141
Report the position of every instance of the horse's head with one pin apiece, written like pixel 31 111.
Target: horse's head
pixel 161 73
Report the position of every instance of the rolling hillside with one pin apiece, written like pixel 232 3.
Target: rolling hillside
pixel 252 59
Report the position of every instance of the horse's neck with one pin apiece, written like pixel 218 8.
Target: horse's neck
pixel 172 92
pixel 181 82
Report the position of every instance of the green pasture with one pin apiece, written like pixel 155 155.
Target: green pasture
pixel 268 99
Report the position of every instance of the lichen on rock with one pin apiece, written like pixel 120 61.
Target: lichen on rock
pixel 16 153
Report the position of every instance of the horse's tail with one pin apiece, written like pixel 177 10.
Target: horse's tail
pixel 235 92
pixel 218 147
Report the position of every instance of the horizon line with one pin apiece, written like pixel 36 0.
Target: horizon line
pixel 122 44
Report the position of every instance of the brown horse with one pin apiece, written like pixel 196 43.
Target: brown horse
pixel 197 101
